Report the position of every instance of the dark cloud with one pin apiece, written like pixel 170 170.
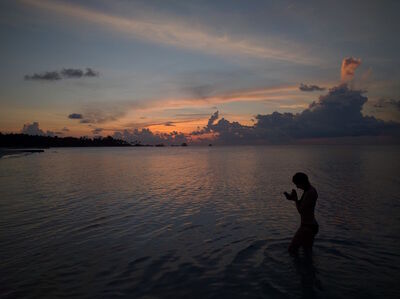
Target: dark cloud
pixel 210 124
pixel 72 73
pixel 33 129
pixel 102 115
pixel 91 73
pixel 388 103
pixel 46 76
pixel 146 136
pixel 97 131
pixel 213 118
pixel 75 116
pixel 336 114
pixel 305 87
pixel 65 73
pixel 98 115
pixel 169 124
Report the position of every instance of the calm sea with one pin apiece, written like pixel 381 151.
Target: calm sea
pixel 198 222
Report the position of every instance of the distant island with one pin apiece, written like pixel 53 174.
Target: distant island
pixel 35 141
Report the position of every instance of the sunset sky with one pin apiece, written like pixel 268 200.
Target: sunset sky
pixel 101 67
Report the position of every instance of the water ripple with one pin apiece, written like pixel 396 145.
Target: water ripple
pixel 197 223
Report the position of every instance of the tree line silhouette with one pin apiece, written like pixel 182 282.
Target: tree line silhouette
pixel 36 141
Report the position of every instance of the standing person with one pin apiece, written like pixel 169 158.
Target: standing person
pixel 304 236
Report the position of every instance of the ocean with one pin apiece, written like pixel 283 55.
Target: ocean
pixel 198 222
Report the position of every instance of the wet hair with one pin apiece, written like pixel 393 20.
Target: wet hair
pixel 301 178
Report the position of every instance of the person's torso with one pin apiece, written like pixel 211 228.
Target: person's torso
pixel 307 210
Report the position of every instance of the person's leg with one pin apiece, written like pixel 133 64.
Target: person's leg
pixel 309 236
pixel 297 241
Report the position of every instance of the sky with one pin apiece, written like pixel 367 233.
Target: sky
pixel 234 72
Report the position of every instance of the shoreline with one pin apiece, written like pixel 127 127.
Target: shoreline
pixel 8 152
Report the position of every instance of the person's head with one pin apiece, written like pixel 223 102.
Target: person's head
pixel 301 181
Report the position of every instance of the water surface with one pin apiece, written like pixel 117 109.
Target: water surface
pixel 197 223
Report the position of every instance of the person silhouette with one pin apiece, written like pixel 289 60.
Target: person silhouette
pixel 304 237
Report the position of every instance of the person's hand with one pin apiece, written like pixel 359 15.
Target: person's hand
pixel 291 196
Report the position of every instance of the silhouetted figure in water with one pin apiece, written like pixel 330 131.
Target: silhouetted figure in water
pixel 304 236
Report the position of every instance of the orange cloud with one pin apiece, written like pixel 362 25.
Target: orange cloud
pixel 249 95
pixel 184 126
pixel 349 65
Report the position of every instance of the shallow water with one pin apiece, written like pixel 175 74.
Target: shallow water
pixel 197 223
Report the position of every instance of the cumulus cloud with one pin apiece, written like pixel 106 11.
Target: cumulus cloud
pixel 212 119
pixel 349 65
pixel 146 136
pixel 335 114
pixel 305 87
pixel 75 116
pixel 227 132
pixel 65 73
pixel 33 129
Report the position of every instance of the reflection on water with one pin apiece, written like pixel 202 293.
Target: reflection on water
pixel 197 222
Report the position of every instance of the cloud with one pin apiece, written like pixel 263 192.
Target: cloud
pixel 66 73
pixel 305 87
pixel 97 131
pixel 33 129
pixel 46 76
pixel 78 73
pixel 99 114
pixel 71 73
pixel 335 114
pixel 213 118
pixel 349 65
pixel 200 91
pixel 243 95
pixel 91 73
pixel 102 114
pixel 169 124
pixel 146 136
pixel 167 30
pixel 387 103
pixel 75 116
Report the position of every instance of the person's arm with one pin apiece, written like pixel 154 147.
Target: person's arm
pixel 291 196
pixel 298 205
